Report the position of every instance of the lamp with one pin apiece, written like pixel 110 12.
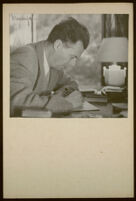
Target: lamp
pixel 114 50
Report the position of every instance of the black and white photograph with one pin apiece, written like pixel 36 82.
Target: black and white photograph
pixel 68 100
pixel 69 65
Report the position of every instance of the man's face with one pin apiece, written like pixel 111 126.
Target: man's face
pixel 66 54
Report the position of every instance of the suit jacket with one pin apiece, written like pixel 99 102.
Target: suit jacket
pixel 28 85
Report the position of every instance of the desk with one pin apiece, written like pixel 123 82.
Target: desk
pixel 106 110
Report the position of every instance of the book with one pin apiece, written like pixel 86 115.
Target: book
pixel 34 113
pixel 86 89
pixel 113 89
pixel 97 99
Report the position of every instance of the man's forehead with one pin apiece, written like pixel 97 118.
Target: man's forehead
pixel 76 48
pixel 74 45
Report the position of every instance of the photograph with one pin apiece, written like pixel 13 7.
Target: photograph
pixel 68 107
pixel 69 65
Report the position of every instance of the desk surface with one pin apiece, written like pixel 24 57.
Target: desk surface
pixel 106 110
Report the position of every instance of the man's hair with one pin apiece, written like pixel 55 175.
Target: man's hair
pixel 69 30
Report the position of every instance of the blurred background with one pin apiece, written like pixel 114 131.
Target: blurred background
pixel 29 28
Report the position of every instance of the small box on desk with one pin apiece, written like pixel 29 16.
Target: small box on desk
pixel 94 98
pixel 117 97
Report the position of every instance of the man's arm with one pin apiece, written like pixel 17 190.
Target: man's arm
pixel 23 76
pixel 21 90
pixel 66 84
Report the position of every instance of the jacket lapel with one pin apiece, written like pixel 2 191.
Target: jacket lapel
pixel 42 78
pixel 49 81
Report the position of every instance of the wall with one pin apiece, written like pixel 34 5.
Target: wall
pixel 20 30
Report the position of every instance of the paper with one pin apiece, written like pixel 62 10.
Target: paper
pixel 86 107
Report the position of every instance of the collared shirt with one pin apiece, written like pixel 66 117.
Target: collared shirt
pixel 46 67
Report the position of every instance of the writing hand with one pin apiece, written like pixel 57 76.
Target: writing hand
pixel 67 89
pixel 75 98
pixel 58 104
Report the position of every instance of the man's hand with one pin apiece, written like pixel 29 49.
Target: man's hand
pixel 75 98
pixel 66 90
pixel 59 104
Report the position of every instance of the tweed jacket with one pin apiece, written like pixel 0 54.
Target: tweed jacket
pixel 28 85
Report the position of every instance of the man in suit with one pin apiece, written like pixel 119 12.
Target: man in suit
pixel 37 79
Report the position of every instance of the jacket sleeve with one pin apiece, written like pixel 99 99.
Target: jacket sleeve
pixel 23 73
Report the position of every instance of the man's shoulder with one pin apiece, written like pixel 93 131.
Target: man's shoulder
pixel 25 55
pixel 24 58
pixel 28 49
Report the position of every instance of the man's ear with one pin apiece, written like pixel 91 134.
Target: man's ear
pixel 58 44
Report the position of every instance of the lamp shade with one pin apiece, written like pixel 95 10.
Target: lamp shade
pixel 114 49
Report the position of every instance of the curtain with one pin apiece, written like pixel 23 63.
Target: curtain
pixel 115 25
